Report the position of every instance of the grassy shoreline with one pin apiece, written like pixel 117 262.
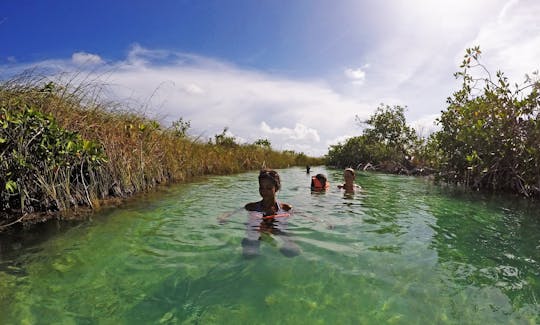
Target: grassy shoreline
pixel 64 149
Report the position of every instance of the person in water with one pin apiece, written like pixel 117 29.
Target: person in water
pixel 349 186
pixel 319 183
pixel 268 216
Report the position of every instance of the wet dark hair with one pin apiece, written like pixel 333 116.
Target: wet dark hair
pixel 322 182
pixel 321 178
pixel 271 175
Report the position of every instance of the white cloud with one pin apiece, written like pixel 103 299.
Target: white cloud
pixel 412 63
pixel 339 140
pixel 507 6
pixel 83 58
pixel 213 94
pixel 193 89
pixel 425 125
pixel 357 76
pixel 511 43
pixel 300 132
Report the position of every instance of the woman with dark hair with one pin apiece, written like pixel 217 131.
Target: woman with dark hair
pixel 319 183
pixel 269 184
pixel 268 216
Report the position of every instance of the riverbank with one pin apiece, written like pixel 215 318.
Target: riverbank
pixel 65 149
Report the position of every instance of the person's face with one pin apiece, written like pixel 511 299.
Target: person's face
pixel 267 188
pixel 349 177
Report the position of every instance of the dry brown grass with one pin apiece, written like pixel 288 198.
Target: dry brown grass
pixel 140 152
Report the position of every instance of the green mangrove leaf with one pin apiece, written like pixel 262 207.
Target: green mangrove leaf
pixel 70 145
pixel 11 186
pixel 87 145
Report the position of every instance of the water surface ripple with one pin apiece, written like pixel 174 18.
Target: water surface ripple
pixel 402 251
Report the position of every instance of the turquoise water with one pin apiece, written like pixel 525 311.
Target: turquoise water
pixel 403 251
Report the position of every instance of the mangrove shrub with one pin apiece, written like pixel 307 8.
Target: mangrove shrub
pixel 386 140
pixel 43 166
pixel 490 132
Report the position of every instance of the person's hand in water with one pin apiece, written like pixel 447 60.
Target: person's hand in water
pixel 224 217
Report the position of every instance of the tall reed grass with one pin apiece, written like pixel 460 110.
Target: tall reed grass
pixel 105 150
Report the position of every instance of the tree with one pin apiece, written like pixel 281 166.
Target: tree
pixel 388 127
pixel 224 140
pixel 490 132
pixel 386 139
pixel 263 143
pixel 180 127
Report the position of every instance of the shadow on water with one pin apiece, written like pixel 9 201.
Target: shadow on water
pixel 20 241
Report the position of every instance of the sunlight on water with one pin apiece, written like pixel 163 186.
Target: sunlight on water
pixel 402 251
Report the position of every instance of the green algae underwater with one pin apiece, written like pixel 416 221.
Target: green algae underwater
pixel 401 251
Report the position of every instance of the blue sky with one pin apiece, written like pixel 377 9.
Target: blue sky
pixel 295 72
pixel 282 36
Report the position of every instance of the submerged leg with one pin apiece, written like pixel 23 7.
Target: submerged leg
pixel 289 248
pixel 250 247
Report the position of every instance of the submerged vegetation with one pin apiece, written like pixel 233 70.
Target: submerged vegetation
pixel 62 148
pixel 489 136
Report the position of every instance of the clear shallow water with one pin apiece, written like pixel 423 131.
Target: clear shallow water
pixel 403 251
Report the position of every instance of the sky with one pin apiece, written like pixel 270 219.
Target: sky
pixel 297 73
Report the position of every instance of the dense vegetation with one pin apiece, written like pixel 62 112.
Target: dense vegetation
pixel 61 147
pixel 489 137
pixel 387 143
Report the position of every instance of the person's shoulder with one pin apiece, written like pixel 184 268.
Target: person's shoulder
pixel 286 206
pixel 252 206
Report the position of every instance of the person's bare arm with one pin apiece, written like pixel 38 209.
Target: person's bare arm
pixel 251 206
pixel 224 217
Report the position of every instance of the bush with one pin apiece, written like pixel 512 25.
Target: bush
pixel 43 166
pixel 490 132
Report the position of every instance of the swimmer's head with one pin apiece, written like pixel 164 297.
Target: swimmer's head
pixel 270 175
pixel 349 172
pixel 319 182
